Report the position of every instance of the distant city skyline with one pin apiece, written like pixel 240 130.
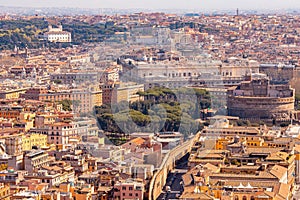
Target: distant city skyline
pixel 192 5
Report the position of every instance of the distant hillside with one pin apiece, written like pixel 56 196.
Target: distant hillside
pixel 29 33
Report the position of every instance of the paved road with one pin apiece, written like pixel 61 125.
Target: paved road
pixel 296 194
pixel 173 181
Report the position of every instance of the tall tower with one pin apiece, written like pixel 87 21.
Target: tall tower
pixel 33 74
pixel 49 27
pixel 237 12
pixel 23 75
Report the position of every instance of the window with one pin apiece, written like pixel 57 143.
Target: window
pixel 130 188
pixel 236 198
pixel 252 198
pixel 244 198
pixel 123 188
pixel 130 194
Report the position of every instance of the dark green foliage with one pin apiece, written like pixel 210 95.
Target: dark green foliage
pixel 242 122
pixel 163 109
pixel 58 81
pixel 21 33
pixel 29 33
pixel 178 25
pixel 284 124
pixel 84 32
pixel 235 162
pixel 66 103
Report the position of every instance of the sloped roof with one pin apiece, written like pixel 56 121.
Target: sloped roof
pixel 136 141
pixel 278 171
pixel 283 192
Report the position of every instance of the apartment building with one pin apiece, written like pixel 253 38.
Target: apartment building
pixel 12 93
pixel 11 177
pixel 129 190
pixel 110 75
pixel 77 77
pixel 84 191
pixel 78 162
pixel 59 133
pixel 10 111
pixel 114 153
pixel 36 159
pixel 117 92
pixel 33 140
pixel 13 142
pixel 83 99
pixel 53 175
pixel 25 195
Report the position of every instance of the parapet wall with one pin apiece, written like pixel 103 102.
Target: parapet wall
pixel 159 178
pixel 260 107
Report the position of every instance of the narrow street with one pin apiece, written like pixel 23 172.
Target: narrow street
pixel 173 188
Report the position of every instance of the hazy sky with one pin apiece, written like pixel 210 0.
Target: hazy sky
pixel 159 4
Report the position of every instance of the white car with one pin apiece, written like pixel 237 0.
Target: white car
pixel 168 188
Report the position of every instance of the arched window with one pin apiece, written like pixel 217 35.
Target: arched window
pixel 252 198
pixel 244 198
pixel 236 198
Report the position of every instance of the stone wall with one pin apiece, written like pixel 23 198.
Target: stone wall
pixel 260 107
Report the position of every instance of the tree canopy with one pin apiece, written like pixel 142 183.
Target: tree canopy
pixel 29 33
pixel 161 110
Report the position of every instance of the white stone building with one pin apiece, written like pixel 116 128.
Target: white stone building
pixel 57 34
